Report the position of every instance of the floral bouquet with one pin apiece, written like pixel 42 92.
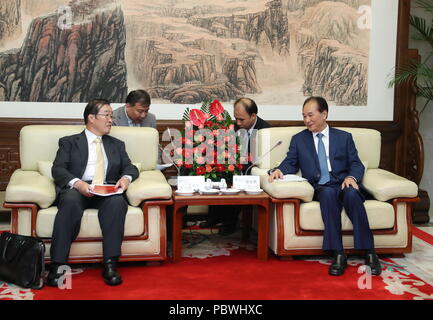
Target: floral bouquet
pixel 209 145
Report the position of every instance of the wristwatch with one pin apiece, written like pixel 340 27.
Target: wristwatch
pixel 271 170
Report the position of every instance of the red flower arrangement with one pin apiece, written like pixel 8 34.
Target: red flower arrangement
pixel 209 145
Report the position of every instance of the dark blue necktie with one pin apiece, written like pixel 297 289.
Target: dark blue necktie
pixel 323 162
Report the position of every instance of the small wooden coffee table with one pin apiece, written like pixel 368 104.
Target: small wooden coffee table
pixel 261 200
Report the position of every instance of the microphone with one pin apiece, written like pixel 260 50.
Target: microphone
pixel 263 155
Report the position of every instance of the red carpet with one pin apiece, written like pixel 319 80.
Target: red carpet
pixel 238 276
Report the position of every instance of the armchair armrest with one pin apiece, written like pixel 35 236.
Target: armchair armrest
pixel 385 185
pixel 149 185
pixel 30 187
pixel 284 189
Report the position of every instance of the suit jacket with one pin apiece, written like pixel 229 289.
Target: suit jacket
pixel 260 124
pixel 120 119
pixel 342 155
pixel 72 156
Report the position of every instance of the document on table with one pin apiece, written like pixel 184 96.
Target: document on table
pixel 292 178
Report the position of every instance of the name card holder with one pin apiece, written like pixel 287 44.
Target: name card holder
pixel 190 183
pixel 246 182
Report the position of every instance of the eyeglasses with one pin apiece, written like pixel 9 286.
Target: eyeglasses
pixel 106 115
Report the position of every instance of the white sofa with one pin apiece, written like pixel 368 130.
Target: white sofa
pixel 30 194
pixel 296 226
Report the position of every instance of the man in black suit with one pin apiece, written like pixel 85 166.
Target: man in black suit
pixel 82 160
pixel 247 125
pixel 328 159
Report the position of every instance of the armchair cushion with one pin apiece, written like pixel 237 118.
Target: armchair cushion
pixel 134 223
pixel 149 185
pixel 284 189
pixel 30 186
pixel 380 216
pixel 384 185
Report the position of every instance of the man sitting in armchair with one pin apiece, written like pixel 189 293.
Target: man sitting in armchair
pixel 83 160
pixel 328 159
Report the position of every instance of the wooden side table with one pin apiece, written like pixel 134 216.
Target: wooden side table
pixel 260 200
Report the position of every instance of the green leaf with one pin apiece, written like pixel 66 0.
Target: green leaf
pixel 185 116
pixel 424 32
pixel 424 4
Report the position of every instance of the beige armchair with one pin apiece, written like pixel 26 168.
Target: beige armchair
pixel 31 193
pixel 296 222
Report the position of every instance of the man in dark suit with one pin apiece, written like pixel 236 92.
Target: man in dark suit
pixel 82 160
pixel 247 125
pixel 328 159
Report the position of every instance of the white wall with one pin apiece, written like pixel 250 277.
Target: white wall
pixel 426 118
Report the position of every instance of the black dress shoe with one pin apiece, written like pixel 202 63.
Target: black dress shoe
pixel 55 274
pixel 372 260
pixel 338 265
pixel 110 274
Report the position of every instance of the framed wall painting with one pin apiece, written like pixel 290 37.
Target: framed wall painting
pixel 183 52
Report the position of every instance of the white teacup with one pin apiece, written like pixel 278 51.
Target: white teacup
pixel 208 184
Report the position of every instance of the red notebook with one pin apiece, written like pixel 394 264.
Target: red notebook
pixel 106 190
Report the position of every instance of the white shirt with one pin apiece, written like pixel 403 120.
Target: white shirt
pixel 130 122
pixel 91 160
pixel 325 140
pixel 246 137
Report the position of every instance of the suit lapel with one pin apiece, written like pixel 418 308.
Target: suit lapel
pixel 83 148
pixel 332 144
pixel 109 151
pixel 309 143
pixel 124 117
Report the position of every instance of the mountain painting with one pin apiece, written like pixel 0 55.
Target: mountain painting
pixel 184 51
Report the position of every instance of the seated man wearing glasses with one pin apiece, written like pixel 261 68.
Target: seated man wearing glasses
pixel 89 158
pixel 135 113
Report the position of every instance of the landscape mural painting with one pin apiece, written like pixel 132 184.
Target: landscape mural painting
pixel 185 51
